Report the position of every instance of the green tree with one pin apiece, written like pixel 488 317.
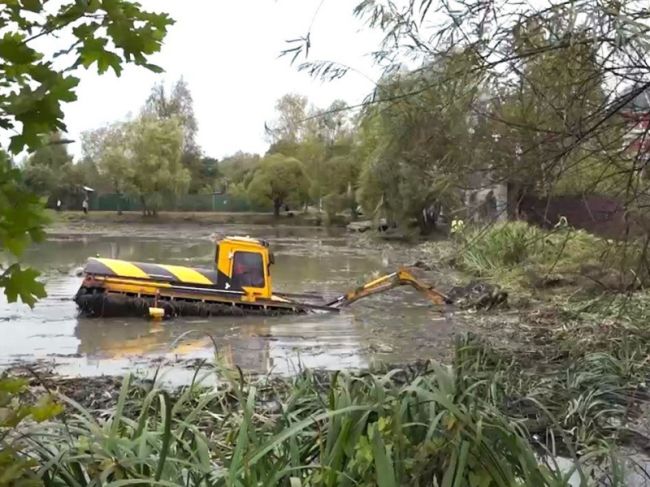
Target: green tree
pixel 236 173
pixel 279 180
pixel 555 78
pixel 532 122
pixel 53 153
pixel 108 148
pixel 49 171
pixel 210 175
pixel 156 150
pixel 313 136
pixel 89 175
pixel 238 168
pixel 418 151
pixel 289 127
pixel 143 157
pixel 178 104
pixel 340 184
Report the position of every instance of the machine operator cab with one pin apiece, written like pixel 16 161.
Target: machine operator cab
pixel 243 266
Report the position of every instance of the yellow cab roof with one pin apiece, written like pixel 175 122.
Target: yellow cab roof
pixel 244 240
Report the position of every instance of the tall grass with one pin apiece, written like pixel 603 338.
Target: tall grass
pixel 516 252
pixel 461 425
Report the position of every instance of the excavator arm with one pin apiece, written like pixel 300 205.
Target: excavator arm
pixel 403 277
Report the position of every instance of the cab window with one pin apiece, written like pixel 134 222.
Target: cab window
pixel 248 270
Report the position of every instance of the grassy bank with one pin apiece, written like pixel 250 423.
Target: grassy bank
pixel 172 218
pixel 526 258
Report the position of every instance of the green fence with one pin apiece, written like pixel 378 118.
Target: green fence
pixel 187 202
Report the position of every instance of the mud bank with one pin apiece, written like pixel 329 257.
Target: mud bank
pixel 101 393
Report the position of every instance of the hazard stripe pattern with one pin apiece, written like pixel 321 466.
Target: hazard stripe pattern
pixel 158 272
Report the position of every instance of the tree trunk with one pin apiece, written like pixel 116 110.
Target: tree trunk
pixel 424 223
pixel 277 204
pixel 143 200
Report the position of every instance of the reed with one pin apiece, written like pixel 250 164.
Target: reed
pixel 475 422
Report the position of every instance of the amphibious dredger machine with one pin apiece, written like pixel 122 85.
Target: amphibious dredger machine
pixel 240 284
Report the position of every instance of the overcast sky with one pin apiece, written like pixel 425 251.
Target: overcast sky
pixel 228 51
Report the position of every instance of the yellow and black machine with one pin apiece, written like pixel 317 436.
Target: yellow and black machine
pixel 240 284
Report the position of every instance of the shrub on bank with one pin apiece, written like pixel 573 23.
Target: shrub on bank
pixel 519 253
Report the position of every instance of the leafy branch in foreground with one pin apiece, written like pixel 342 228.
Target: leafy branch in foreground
pixel 103 33
pixel 21 222
pixel 15 411
pixel 35 84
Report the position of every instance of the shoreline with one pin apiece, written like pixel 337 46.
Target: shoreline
pixel 200 218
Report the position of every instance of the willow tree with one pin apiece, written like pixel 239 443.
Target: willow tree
pixel 415 145
pixel 178 104
pixel 560 75
pixel 556 79
pixel 142 157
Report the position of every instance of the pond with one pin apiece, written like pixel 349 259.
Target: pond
pixel 391 328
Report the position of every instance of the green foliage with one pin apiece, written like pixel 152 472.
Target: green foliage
pixel 482 108
pixel 518 253
pixel 526 140
pixel 339 185
pixel 105 34
pixel 142 156
pixel 41 180
pixel 289 127
pixel 279 180
pixel 155 159
pixel 178 105
pixel 50 173
pixel 466 424
pixel 53 154
pixel 418 149
pixel 106 149
pixel 209 175
pixel 323 141
pixel 21 222
pixel 238 191
pixel 17 469
pixel 239 168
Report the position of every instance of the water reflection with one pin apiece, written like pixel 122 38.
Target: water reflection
pixel 244 344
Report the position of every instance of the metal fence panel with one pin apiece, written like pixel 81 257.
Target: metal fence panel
pixel 186 202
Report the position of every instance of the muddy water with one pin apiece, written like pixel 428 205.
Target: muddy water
pixel 390 328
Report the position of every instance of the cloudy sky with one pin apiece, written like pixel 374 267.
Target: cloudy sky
pixel 228 51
